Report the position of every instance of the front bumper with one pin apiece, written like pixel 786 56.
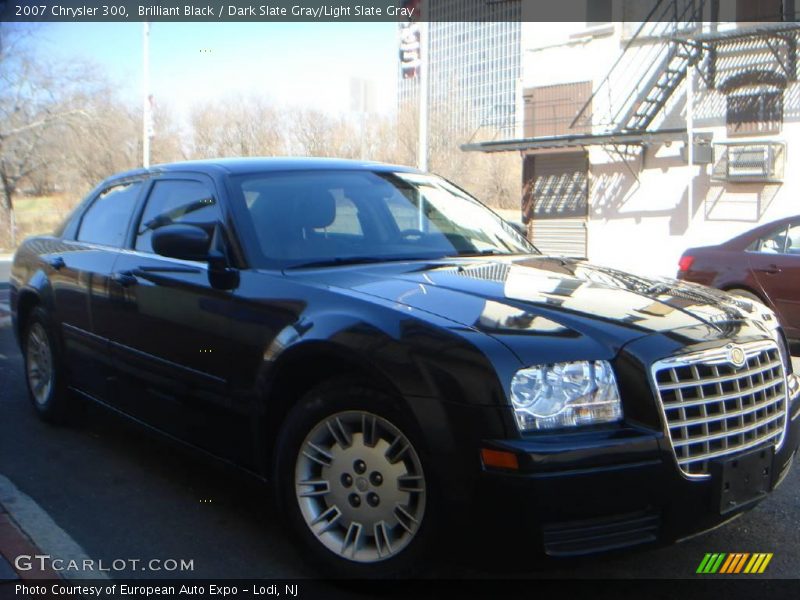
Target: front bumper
pixel 608 489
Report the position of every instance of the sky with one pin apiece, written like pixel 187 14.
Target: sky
pixel 292 64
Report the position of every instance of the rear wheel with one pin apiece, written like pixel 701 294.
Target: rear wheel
pixel 351 472
pixel 43 372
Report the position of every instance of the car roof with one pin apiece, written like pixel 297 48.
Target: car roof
pixel 743 239
pixel 244 165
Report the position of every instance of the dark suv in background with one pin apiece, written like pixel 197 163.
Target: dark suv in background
pixel 408 372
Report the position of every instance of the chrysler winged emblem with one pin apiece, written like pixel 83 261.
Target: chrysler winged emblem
pixel 736 356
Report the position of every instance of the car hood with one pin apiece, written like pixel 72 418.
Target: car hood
pixel 539 295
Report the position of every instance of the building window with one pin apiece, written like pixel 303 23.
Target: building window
pixel 748 11
pixel 551 110
pixel 753 111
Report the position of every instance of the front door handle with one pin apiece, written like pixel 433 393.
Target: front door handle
pixel 124 278
pixel 56 262
pixel 771 270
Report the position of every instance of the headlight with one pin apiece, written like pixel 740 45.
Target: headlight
pixel 565 395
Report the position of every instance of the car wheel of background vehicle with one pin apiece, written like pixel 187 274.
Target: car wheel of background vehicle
pixel 745 294
pixel 350 472
pixel 43 372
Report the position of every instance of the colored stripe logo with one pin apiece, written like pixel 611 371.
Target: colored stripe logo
pixel 734 563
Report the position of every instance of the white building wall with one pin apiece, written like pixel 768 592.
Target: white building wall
pixel 639 214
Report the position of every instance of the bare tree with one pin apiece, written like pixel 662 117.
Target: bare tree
pixel 34 104
pixel 495 179
pixel 236 126
pixel 167 143
pixel 106 142
pixel 316 133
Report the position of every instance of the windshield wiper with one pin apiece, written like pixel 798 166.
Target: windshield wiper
pixel 355 260
pixel 490 252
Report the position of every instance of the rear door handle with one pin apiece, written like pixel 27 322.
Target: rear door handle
pixel 771 270
pixel 56 262
pixel 124 278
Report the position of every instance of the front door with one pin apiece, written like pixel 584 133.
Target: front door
pixel 170 332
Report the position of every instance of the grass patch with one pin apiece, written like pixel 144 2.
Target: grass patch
pixel 38 215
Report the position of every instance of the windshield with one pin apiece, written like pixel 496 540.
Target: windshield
pixel 314 218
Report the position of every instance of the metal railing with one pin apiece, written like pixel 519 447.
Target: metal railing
pixel 646 54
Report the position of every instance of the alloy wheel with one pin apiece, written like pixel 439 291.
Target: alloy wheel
pixel 360 486
pixel 39 363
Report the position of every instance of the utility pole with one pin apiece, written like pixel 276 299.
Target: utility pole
pixel 146 105
pixel 690 136
pixel 422 148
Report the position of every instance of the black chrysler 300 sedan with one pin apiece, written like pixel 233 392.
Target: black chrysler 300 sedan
pixel 403 366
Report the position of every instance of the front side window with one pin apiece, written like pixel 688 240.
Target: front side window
pixel 106 221
pixel 176 201
pixel 308 217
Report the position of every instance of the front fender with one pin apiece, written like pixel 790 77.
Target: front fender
pixel 417 358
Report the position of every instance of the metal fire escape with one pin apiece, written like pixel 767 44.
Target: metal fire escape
pixel 649 70
pixel 625 110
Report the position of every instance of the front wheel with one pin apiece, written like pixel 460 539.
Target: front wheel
pixel 43 372
pixel 353 480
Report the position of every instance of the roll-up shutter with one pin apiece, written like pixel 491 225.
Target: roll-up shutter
pixel 556 202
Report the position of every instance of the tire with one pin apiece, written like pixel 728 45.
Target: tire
pixel 366 508
pixel 44 374
pixel 745 294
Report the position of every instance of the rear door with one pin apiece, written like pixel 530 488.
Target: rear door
pixel 775 262
pixel 169 328
pixel 80 278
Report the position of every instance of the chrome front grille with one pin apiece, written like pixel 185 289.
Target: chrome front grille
pixel 712 408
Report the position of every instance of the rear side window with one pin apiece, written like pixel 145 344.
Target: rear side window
pixel 793 240
pixel 774 243
pixel 176 201
pixel 106 221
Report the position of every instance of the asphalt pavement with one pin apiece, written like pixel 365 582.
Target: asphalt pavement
pixel 119 493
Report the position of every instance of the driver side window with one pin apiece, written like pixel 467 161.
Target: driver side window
pixel 176 201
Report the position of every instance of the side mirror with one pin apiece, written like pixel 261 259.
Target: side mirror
pixel 186 242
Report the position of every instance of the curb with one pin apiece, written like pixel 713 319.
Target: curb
pixel 27 529
pixel 13 544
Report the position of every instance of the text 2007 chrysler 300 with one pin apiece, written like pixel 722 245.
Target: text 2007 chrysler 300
pixel 404 367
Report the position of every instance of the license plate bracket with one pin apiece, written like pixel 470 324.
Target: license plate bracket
pixel 742 479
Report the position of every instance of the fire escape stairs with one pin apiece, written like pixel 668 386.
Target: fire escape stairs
pixel 634 107
pixel 668 77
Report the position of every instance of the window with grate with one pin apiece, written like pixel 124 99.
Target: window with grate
pixel 754 111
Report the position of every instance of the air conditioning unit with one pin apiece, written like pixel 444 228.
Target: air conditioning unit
pixel 749 162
